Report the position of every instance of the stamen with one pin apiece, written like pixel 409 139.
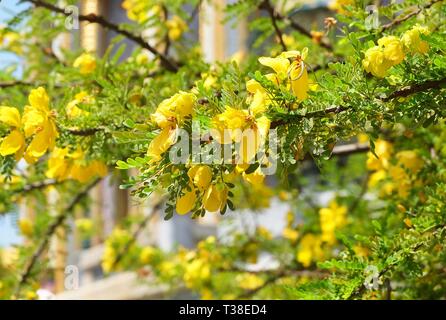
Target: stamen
pixel 302 67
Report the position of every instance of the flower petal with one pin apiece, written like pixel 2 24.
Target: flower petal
pixel 12 143
pixel 10 116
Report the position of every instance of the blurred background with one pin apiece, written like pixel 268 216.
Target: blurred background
pixel 110 205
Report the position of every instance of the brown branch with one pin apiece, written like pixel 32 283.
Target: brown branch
pixel 84 132
pixel 36 186
pixel 404 92
pixel 296 26
pixel 93 18
pixel 266 5
pixel 414 13
pixel 14 83
pixel 135 235
pixel 60 219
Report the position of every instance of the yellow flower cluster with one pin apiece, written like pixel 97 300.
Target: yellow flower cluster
pixel 10 40
pixel 37 122
pixel 84 225
pixel 310 249
pixel 339 6
pixel 249 281
pixel 176 27
pixel 116 242
pixel 391 50
pixel 73 110
pixel 402 174
pixel 290 232
pixel 139 10
pixel 214 195
pixel 169 114
pixel 64 165
pixel 412 39
pixel 86 63
pixel 26 227
pixel 295 71
pixel 230 126
pixel 331 218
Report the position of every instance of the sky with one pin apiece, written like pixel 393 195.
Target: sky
pixel 8 230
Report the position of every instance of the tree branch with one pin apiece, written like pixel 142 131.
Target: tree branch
pixel 406 91
pixel 296 26
pixel 266 5
pixel 14 83
pixel 60 219
pixel 36 186
pixel 93 18
pixel 414 13
pixel 135 234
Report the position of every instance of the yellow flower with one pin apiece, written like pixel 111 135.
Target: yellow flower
pixel 249 281
pixel 196 273
pixel 309 249
pixel 38 120
pixel 290 234
pixel 83 172
pixel 84 225
pixel 161 143
pixel 26 227
pixel 186 202
pixel 31 295
pixel 375 62
pixel 173 110
pixel 215 198
pixel 339 6
pixel 380 58
pixel 108 258
pixel 229 125
pixel 255 178
pixel 147 254
pixel 264 233
pixel 72 109
pixel 137 10
pixel 142 58
pixel 279 64
pixel 376 177
pixel 176 27
pixel 383 150
pixel 295 71
pixel 13 143
pixel 58 167
pixel 63 165
pixel 86 63
pixel 409 159
pixel 331 218
pixel 299 79
pixel 412 40
pixel 392 49
pixel 201 176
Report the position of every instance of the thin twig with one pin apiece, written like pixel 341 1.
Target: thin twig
pixel 404 92
pixel 364 187
pixel 135 235
pixel 60 219
pixel 93 18
pixel 414 13
pixel 266 5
